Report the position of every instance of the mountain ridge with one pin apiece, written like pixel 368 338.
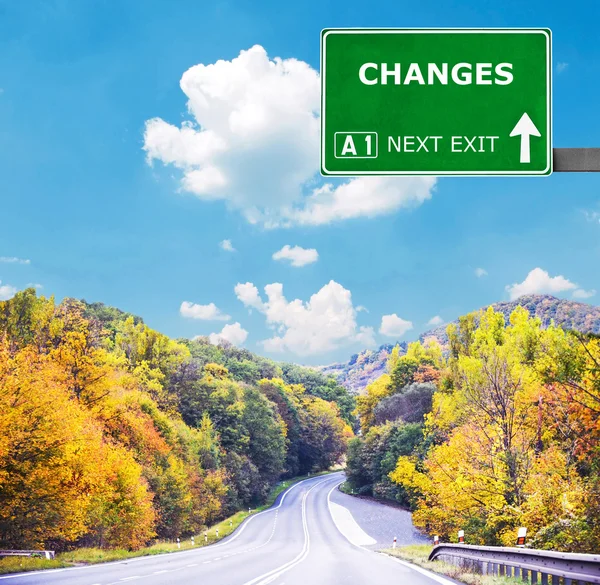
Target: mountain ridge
pixel 364 367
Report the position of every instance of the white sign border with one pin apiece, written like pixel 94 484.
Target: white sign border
pixel 547 32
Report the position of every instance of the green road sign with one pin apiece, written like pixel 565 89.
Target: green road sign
pixel 436 102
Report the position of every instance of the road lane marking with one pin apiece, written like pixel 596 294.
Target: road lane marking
pixel 425 572
pixel 160 572
pixel 130 578
pixel 348 526
pixel 227 540
pixel 192 565
pixel 278 571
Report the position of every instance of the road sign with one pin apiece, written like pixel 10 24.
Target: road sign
pixel 436 102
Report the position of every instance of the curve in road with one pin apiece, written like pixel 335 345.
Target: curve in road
pixel 293 543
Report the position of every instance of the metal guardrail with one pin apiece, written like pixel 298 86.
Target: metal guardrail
pixel 47 554
pixel 537 566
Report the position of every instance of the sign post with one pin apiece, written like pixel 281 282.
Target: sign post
pixel 436 102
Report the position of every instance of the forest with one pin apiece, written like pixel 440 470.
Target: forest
pixel 499 431
pixel 113 435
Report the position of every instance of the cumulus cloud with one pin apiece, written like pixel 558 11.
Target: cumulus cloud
pixel 583 294
pixel 14 260
pixel 364 196
pixel 323 323
pixel 6 291
pixel 227 246
pixel 253 142
pixel 297 256
pixel 479 272
pixel 561 66
pixel 435 321
pixel 394 326
pixel 208 312
pixel 249 295
pixel 538 281
pixel 234 334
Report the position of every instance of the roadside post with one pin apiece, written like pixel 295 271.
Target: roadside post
pixel 205 536
pixel 441 102
pixel 217 531
pixel 178 543
pixel 394 544
pixel 193 543
pixel 461 536
pixel 436 540
pixel 521 535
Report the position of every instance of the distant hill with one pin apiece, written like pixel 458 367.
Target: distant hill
pixel 362 368
pixel 368 365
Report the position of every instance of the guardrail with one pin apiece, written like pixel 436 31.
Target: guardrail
pixel 528 564
pixel 47 554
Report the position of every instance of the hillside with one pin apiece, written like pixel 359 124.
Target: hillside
pixel 113 434
pixel 368 365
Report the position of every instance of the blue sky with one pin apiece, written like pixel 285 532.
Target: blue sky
pixel 78 198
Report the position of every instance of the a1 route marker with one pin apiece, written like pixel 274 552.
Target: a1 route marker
pixel 436 102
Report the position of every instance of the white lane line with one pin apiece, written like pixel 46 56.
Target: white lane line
pixel 206 562
pixel 160 572
pixel 348 526
pixel 425 572
pixel 131 578
pixel 192 565
pixel 239 530
pixel 278 571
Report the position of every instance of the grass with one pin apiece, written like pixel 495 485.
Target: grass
pixel 418 554
pixel 21 564
pixel 81 556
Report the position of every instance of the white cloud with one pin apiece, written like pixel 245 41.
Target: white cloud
pixel 360 309
pixel 435 321
pixel 208 312
pixel 580 293
pixel 227 246
pixel 249 295
pixel 364 196
pixel 593 216
pixel 14 260
pixel 538 281
pixel 479 272
pixel 394 326
pixel 561 66
pixel 234 334
pixel 323 323
pixel 254 143
pixel 34 285
pixel 297 256
pixel 6 291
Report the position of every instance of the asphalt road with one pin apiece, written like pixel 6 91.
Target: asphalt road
pixel 382 523
pixel 296 542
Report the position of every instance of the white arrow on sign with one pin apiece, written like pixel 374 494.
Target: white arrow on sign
pixel 525 128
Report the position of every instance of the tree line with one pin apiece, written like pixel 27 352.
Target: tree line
pixel 499 430
pixel 113 434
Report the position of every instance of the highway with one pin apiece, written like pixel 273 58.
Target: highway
pixel 297 541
